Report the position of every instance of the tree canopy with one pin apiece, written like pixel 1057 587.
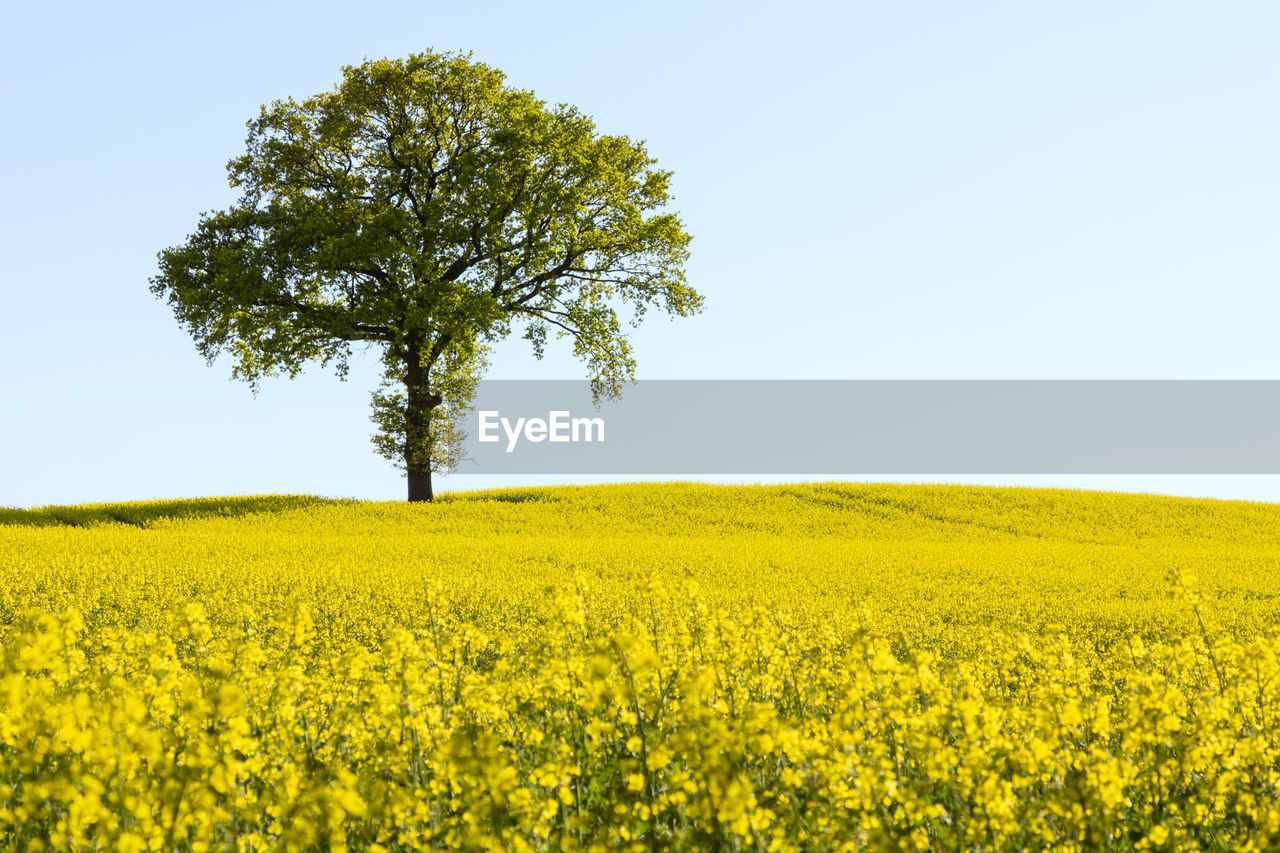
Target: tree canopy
pixel 427 209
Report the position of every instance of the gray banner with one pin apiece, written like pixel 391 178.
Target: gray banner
pixel 856 427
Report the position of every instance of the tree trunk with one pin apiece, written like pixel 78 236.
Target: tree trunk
pixel 420 485
pixel 419 403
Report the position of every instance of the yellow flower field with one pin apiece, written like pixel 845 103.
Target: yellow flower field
pixel 647 667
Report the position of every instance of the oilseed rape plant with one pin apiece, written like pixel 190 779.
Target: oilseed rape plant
pixel 643 667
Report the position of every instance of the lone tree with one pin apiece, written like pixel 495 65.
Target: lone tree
pixel 427 209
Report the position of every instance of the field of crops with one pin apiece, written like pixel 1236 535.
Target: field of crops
pixel 648 667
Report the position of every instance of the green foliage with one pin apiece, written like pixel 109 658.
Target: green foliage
pixel 438 447
pixel 426 209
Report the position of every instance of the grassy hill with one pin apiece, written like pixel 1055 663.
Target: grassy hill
pixel 923 556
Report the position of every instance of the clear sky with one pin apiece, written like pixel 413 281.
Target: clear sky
pixel 876 190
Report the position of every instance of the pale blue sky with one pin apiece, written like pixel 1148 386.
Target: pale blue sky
pixel 906 190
